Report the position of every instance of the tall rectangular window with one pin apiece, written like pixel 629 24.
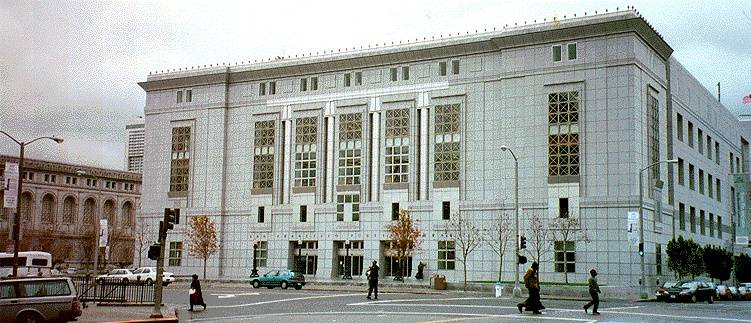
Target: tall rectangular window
pixel 565 256
pixel 717 152
pixel 353 200
pixel 709 147
pixel 690 134
pixel 446 210
pixel 718 190
pixel 711 225
pixel 691 178
pixel 681 175
pixel 556 53
pixel 446 149
pixel 180 159
pixel 701 181
pixel 179 97
pixel 188 95
pixel 405 73
pixel 709 186
pixel 679 126
pixel 263 155
pixel 303 213
pixel 692 219
pixel 731 162
pixel 350 148
pixel 571 51
pixel 303 84
pixel 397 146
pixel 314 83
pixel 563 208
pixel 261 214
pixel 394 211
pixel 682 216
pixel 563 136
pixel 262 254
pixel 658 259
pixel 446 255
pixel 441 68
pixel 347 79
pixel 272 87
pixel 358 78
pixel 392 72
pixel 700 138
pixel 702 222
pixel 261 88
pixel 175 253
pixel 653 136
pixel 306 139
pixel 455 67
pixel 719 227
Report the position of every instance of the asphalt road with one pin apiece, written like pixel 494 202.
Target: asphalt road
pixel 277 305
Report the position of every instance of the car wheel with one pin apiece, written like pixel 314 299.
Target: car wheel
pixel 284 285
pixel 149 281
pixel 710 300
pixel 256 284
pixel 30 318
pixel 298 287
pixel 693 298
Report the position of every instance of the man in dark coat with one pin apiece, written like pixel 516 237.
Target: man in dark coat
pixel 372 275
pixel 532 282
pixel 196 297
pixel 594 291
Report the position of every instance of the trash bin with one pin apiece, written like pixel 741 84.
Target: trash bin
pixel 498 289
pixel 439 282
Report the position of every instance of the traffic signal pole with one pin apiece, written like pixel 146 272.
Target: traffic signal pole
pixel 157 313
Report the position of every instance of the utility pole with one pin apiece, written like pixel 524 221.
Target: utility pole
pixel 171 217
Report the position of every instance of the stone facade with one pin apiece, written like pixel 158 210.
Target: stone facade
pixel 59 207
pixel 272 149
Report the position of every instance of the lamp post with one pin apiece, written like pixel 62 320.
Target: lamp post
pixel 643 287
pixel 347 262
pixel 95 180
pixel 17 217
pixel 517 289
pixel 254 272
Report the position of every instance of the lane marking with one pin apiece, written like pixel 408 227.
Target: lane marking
pixel 283 300
pixel 220 296
pixel 382 314
pixel 700 318
pixel 422 299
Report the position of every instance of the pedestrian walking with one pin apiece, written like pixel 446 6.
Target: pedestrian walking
pixel 196 297
pixel 594 291
pixel 532 282
pixel 372 275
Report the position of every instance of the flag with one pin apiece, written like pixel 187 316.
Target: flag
pixel 747 99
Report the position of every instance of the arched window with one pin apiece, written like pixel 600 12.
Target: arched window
pixel 109 212
pixel 69 210
pixel 89 209
pixel 48 209
pixel 127 213
pixel 27 206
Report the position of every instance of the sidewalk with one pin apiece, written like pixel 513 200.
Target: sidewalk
pixel 110 313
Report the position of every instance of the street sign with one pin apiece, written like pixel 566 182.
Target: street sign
pixel 633 228
pixel 10 184
pixel 103 233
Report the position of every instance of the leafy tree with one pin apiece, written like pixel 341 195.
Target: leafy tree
pixel 568 230
pixel 685 257
pixel 742 268
pixel 467 236
pixel 497 237
pixel 406 236
pixel 718 262
pixel 202 239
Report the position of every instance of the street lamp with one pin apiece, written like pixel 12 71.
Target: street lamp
pixel 347 262
pixel 17 217
pixel 254 272
pixel 641 224
pixel 95 179
pixel 517 289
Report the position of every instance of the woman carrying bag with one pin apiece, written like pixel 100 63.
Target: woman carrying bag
pixel 196 297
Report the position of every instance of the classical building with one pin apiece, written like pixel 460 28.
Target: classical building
pixel 134 145
pixel 60 206
pixel 313 156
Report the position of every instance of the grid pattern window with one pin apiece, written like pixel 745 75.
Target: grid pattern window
pixel 446 255
pixel 89 208
pixel 653 135
pixel 263 154
pixel 682 216
pixel 565 256
pixel 348 199
pixel 262 254
pixel 69 210
pixel 306 139
pixel 571 51
pixel 127 214
pixel 679 126
pixel 48 209
pixel 397 146
pixel 180 163
pixel 175 253
pixel 563 134
pixel 350 148
pixel 681 174
pixel 447 137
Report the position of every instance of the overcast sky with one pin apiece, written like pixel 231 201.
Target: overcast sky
pixel 70 68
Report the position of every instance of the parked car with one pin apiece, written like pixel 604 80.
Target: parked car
pixel 692 291
pixel 148 275
pixel 122 275
pixel 71 271
pixel 662 291
pixel 723 292
pixel 38 300
pixel 282 278
pixel 735 295
pixel 744 291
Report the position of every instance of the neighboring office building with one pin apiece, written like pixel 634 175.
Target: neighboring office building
pixel 134 145
pixel 306 154
pixel 59 208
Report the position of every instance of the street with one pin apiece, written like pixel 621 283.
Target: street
pixel 276 305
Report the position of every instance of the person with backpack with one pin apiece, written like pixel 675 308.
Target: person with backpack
pixel 372 275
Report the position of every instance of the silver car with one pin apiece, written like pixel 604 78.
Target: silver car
pixel 38 300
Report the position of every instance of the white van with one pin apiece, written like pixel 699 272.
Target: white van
pixel 30 263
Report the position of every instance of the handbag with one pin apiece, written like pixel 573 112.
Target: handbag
pixel 192 291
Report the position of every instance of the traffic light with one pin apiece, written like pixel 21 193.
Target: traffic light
pixel 171 217
pixel 522 242
pixel 522 259
pixel 641 249
pixel 154 251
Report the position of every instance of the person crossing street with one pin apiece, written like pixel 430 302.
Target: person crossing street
pixel 372 275
pixel 532 282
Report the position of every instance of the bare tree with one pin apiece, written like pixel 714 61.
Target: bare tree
pixel 467 235
pixel 497 237
pixel 202 239
pixel 144 235
pixel 540 237
pixel 567 230
pixel 406 236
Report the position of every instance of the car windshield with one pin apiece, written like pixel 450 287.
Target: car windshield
pixel 668 284
pixel 688 285
pixel 138 271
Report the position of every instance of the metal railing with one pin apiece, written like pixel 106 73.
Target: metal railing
pixel 113 290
